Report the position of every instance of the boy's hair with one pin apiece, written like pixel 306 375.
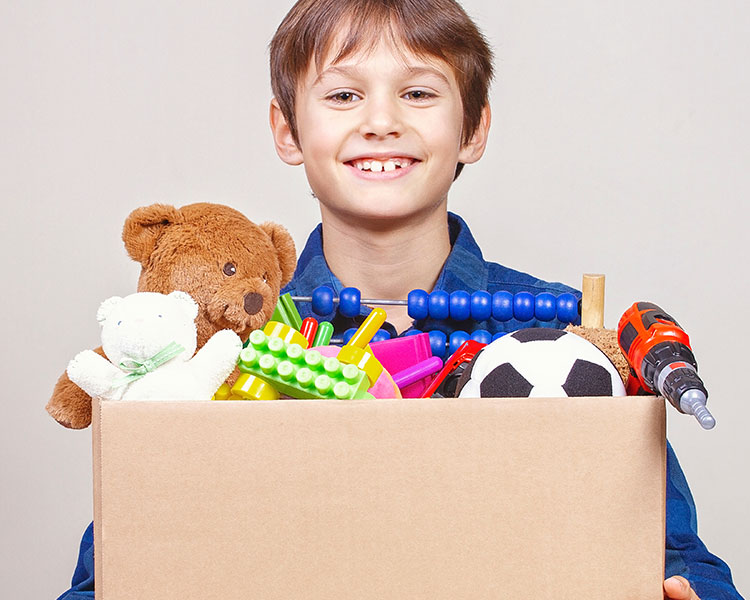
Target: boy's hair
pixel 432 28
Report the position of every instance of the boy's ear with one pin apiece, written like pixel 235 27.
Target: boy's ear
pixel 286 147
pixel 473 150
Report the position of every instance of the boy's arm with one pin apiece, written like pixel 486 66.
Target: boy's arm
pixel 686 554
pixel 82 586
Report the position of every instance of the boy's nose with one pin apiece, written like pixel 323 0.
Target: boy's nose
pixel 381 119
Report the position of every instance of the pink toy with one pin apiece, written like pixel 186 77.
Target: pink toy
pixel 399 354
pixel 419 371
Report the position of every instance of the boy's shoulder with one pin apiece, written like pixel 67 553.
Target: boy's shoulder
pixel 467 269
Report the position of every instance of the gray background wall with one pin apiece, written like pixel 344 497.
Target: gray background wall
pixel 619 145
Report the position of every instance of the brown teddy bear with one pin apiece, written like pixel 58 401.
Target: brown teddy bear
pixel 232 267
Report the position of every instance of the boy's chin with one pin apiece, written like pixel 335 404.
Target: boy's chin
pixel 382 212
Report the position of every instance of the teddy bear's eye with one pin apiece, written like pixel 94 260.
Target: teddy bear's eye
pixel 229 269
pixel 265 277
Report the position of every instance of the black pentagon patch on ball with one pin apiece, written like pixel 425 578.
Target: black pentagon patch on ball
pixel 538 334
pixel 588 379
pixel 504 382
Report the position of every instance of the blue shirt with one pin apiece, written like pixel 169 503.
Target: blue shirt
pixel 466 269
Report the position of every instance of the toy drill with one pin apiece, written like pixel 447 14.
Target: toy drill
pixel 661 360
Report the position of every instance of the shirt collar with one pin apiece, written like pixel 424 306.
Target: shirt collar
pixel 465 268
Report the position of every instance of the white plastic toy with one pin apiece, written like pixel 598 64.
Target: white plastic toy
pixel 150 339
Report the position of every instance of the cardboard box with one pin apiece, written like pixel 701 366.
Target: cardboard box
pixel 387 499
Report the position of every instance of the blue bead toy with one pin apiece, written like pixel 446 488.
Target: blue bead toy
pixel 456 339
pixel 460 305
pixel 481 306
pixel 567 308
pixel 349 302
pixel 545 306
pixel 438 341
pixel 322 300
pixel 523 306
pixel 439 305
pixel 502 306
pixel 418 303
pixel 380 336
pixel 482 336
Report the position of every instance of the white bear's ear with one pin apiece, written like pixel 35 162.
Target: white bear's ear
pixel 106 308
pixel 189 305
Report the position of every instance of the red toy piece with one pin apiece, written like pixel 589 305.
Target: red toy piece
pixel 453 368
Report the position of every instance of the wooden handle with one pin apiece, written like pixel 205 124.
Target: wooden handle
pixel 592 304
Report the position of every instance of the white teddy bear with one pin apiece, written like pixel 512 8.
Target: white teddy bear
pixel 150 339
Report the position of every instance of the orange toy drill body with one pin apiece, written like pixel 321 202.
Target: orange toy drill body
pixel 661 360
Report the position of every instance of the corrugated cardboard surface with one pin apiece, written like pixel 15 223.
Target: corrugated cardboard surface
pixel 387 499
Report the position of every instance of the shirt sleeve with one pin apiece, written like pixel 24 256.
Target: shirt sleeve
pixel 82 586
pixel 686 554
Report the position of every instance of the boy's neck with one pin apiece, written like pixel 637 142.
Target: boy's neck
pixel 387 259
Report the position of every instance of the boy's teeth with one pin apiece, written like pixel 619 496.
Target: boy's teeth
pixel 378 166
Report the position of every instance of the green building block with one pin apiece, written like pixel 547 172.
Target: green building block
pixel 301 373
pixel 286 312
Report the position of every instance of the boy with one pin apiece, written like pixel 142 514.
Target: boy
pixel 384 101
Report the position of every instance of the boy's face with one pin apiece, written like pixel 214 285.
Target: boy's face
pixel 380 134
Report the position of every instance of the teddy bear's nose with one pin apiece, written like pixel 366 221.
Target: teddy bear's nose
pixel 253 303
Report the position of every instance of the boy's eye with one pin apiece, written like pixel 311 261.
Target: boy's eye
pixel 344 97
pixel 418 95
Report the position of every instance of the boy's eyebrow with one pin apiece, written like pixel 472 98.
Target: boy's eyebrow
pixel 355 71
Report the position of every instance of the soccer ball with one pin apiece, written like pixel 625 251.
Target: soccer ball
pixel 540 362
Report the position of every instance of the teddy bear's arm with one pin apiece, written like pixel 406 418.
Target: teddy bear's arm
pixel 93 373
pixel 218 356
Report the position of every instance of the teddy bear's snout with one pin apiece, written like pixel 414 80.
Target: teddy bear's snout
pixel 253 303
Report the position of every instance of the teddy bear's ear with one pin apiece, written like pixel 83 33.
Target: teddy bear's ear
pixel 144 226
pixel 189 305
pixel 285 249
pixel 106 308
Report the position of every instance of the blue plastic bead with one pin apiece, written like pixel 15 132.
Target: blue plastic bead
pixel 457 338
pixel 439 305
pixel 523 306
pixel 412 332
pixel 418 304
pixel 481 306
pixel 545 308
pixel 482 336
pixel 460 307
pixel 349 302
pixel 498 335
pixel 322 300
pixel 380 336
pixel 567 308
pixel 438 341
pixel 502 306
pixel 349 334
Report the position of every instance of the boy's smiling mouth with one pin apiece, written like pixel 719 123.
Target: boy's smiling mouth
pixel 395 165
